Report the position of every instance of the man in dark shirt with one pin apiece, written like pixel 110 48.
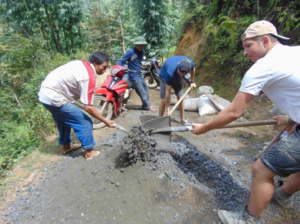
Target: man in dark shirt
pixel 136 79
pixel 171 74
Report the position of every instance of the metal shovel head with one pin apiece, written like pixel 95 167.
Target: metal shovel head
pixel 156 123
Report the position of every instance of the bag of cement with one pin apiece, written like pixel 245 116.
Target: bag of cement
pixel 205 106
pixel 275 111
pixel 173 98
pixel 191 104
pixel 204 90
pixel 219 102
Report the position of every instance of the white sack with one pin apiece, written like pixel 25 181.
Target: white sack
pixel 205 106
pixel 219 102
pixel 191 104
pixel 173 98
pixel 204 90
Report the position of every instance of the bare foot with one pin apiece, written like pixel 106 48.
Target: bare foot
pixel 89 154
pixel 70 147
pixel 153 109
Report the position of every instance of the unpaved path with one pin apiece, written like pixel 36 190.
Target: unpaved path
pixel 193 177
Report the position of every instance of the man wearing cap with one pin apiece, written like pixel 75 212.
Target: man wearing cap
pixel 136 79
pixel 276 72
pixel 171 74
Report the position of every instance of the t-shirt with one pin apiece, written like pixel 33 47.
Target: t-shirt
pixel 68 83
pixel 168 71
pixel 135 65
pixel 278 76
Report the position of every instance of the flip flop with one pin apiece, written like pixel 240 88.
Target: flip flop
pixel 97 153
pixel 73 147
pixel 152 109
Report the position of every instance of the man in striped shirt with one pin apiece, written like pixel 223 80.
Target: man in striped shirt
pixel 67 84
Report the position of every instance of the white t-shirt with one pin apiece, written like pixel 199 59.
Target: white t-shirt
pixel 68 83
pixel 278 76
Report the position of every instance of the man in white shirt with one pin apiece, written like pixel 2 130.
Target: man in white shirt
pixel 276 72
pixel 67 84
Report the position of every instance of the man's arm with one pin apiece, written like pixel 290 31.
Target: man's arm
pixel 193 84
pixel 93 111
pixel 226 116
pixel 125 58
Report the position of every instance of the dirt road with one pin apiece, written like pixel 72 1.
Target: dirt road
pixel 191 179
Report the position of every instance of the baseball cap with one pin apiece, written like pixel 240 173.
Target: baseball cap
pixel 260 28
pixel 140 41
pixel 184 65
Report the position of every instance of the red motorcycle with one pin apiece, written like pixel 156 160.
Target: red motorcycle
pixel 113 95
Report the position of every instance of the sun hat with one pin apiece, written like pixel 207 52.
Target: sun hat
pixel 260 28
pixel 184 65
pixel 140 41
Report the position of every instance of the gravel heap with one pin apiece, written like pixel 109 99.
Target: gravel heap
pixel 139 145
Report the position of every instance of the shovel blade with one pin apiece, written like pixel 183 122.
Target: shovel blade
pixel 157 123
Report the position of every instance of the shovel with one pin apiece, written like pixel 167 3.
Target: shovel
pixel 114 125
pixel 234 125
pixel 155 123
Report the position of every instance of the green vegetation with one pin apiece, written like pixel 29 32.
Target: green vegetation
pixel 38 36
pixel 222 24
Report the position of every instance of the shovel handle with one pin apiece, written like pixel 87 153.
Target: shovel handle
pixel 120 128
pixel 114 125
pixel 171 129
pixel 247 124
pixel 179 101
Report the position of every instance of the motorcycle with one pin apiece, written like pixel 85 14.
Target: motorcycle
pixel 150 69
pixel 113 94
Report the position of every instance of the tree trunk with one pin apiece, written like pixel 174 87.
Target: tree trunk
pixel 54 32
pixel 121 28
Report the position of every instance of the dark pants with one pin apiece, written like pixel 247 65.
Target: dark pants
pixel 142 90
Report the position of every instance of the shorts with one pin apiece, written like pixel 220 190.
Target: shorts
pixel 176 86
pixel 283 158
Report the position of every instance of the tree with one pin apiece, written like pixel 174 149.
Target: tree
pixel 57 21
pixel 154 23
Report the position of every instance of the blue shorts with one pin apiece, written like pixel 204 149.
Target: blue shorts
pixel 176 86
pixel 69 116
pixel 283 158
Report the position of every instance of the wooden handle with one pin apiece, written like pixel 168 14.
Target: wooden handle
pixel 251 123
pixel 179 101
pixel 274 140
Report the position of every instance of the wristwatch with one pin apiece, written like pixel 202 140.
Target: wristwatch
pixel 192 81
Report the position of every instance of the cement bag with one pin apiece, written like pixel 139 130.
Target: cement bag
pixel 204 90
pixel 219 102
pixel 205 106
pixel 191 104
pixel 173 98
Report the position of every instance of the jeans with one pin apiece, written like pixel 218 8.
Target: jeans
pixel 142 90
pixel 69 116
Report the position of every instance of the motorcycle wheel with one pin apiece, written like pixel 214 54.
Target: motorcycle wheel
pixel 105 108
pixel 150 81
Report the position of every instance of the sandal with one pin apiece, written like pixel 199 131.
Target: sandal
pixel 186 123
pixel 72 148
